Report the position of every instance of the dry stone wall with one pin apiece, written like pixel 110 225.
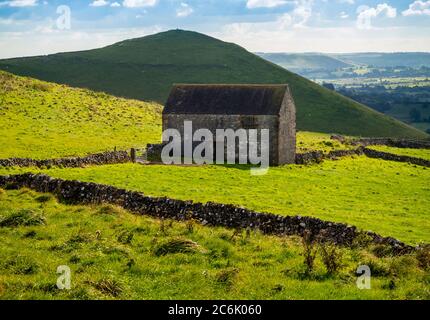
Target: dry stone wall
pixel 319 156
pixel 390 142
pixel 394 157
pixel 110 157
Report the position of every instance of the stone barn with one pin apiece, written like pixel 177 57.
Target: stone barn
pixel 237 107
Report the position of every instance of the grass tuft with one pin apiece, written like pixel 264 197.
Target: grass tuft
pixel 108 286
pixel 227 276
pixel 176 245
pixel 24 217
pixel 22 265
pixel 109 209
pixel 423 257
pixel 44 198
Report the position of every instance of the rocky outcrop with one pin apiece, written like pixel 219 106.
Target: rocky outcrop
pixel 110 157
pixel 214 214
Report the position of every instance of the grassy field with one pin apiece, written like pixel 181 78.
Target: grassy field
pixel 314 141
pixel 145 69
pixel 115 255
pixel 43 120
pixel 386 197
pixel 418 153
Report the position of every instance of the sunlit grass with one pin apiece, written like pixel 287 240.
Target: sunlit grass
pixel 390 198
pixel 41 120
pixel 112 254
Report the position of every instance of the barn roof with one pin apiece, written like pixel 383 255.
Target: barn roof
pixel 227 99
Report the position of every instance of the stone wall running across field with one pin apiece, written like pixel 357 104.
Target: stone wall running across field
pixel 390 142
pixel 395 157
pixel 110 157
pixel 214 214
pixel 319 156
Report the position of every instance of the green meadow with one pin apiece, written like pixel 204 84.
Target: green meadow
pixel 113 254
pixel 387 197
pixel 116 255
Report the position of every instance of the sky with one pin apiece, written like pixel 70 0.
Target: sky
pixel 38 27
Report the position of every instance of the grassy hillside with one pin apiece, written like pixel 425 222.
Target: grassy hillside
pixel 115 255
pixel 145 68
pixel 308 61
pixel 44 120
pixel 352 190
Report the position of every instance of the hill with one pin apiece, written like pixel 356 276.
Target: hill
pixel 145 69
pixel 44 120
pixel 308 61
pixel 395 59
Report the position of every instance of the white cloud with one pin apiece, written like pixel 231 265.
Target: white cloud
pixel 418 8
pixel 299 16
pixel 19 3
pixel 344 15
pixel 287 22
pixel 115 4
pixel 252 4
pixel 366 14
pixel 184 10
pixel 99 3
pixel 329 39
pixel 347 1
pixel 139 3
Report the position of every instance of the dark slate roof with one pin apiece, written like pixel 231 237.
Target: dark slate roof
pixel 225 99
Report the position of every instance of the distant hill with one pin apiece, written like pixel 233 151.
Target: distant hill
pixel 145 69
pixel 404 59
pixel 308 61
pixel 44 120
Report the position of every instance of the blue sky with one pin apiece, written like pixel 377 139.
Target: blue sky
pixel 33 27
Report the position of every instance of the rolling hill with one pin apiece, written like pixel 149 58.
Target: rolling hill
pixel 300 61
pixel 378 59
pixel 145 68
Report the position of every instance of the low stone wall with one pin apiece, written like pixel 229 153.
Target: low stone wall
pixel 110 157
pixel 214 214
pixel 390 142
pixel 310 157
pixel 394 157
pixel 153 152
pixel 397 143
pixel 319 156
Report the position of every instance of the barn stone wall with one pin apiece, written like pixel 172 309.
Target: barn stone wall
pixel 287 131
pixel 235 122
